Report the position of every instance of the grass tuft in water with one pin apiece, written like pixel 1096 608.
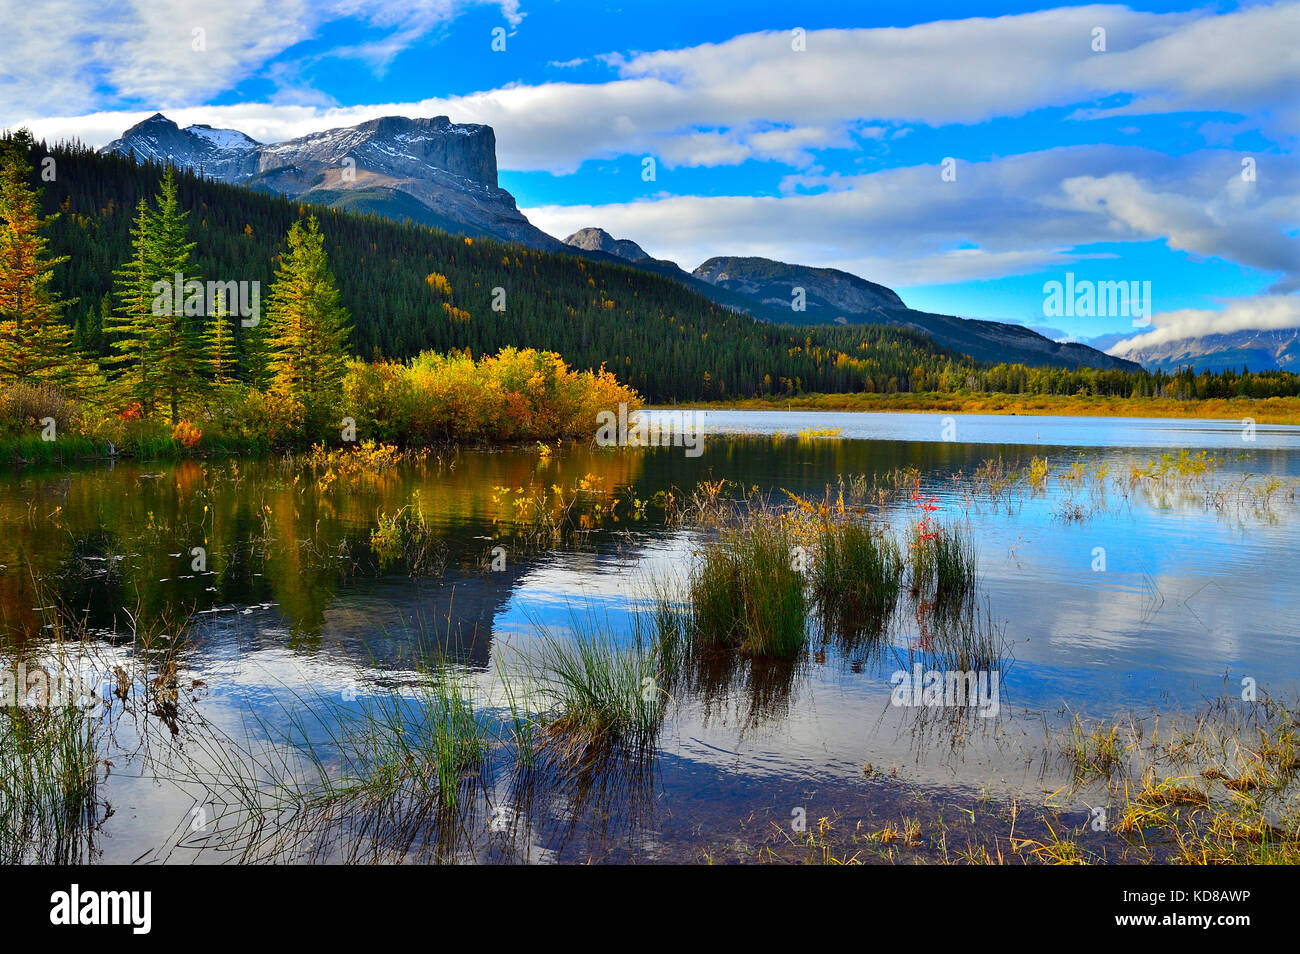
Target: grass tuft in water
pixel 48 787
pixel 605 695
pixel 855 579
pixel 943 563
pixel 745 592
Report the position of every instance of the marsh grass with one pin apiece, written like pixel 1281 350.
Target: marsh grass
pixel 854 579
pixel 605 696
pixel 49 803
pixel 1096 752
pixel 757 689
pixel 944 563
pixel 1222 788
pixel 745 593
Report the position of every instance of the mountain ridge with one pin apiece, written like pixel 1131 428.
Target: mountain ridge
pixel 448 169
pixel 433 172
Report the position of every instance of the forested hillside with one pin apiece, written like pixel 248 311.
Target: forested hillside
pixel 411 288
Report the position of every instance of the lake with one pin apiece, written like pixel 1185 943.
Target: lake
pixel 262 593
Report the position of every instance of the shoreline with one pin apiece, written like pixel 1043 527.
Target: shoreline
pixel 1271 410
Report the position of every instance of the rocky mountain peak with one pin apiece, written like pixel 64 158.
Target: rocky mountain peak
pixel 594 239
pixel 828 291
pixel 428 169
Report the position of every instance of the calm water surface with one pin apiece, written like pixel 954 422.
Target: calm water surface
pixel 1196 594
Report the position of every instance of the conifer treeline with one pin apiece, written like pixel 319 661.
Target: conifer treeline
pixel 169 336
pixel 409 288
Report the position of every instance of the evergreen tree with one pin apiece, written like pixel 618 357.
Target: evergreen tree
pixel 219 340
pixel 158 329
pixel 130 332
pixel 178 334
pixel 308 327
pixel 35 343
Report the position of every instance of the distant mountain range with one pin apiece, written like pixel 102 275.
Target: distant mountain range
pixel 443 174
pixel 1257 350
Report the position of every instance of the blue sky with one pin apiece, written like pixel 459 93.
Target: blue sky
pixel 826 148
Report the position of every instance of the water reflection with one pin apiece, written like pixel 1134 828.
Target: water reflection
pixel 1109 594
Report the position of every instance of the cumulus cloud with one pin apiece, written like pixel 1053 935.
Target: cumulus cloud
pixel 168 53
pixel 1239 223
pixel 749 97
pixel 1261 313
pixel 1021 214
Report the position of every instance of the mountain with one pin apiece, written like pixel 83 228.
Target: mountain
pixel 829 292
pixel 409 288
pixel 442 174
pixel 1258 350
pixel 831 295
pixel 429 171
pixel 598 240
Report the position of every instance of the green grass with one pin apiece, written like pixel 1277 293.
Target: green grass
pixel 422 745
pixel 745 593
pixel 605 695
pixel 944 564
pixel 855 579
pixel 48 787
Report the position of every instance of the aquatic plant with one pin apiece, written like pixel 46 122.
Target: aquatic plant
pixel 746 591
pixel 855 576
pixel 605 695
pixel 943 562
pixel 405 537
pixel 49 805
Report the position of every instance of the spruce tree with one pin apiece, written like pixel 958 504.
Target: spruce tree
pixel 178 333
pixel 159 337
pixel 219 341
pixel 308 328
pixel 131 330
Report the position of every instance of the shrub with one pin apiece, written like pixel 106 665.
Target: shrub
pixel 187 434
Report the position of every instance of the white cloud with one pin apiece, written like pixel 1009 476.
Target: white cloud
pixel 956 71
pixel 905 226
pixel 1261 313
pixel 66 55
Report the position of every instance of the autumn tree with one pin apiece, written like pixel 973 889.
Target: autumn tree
pixel 35 343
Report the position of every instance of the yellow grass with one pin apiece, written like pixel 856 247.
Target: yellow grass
pixel 1274 410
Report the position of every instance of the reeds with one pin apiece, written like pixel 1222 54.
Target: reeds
pixel 943 563
pixel 48 784
pixel 854 579
pixel 746 591
pixel 605 695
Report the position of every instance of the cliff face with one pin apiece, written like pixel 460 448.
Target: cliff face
pixel 396 146
pixel 429 170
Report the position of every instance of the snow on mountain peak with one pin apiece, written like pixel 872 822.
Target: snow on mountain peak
pixel 222 138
